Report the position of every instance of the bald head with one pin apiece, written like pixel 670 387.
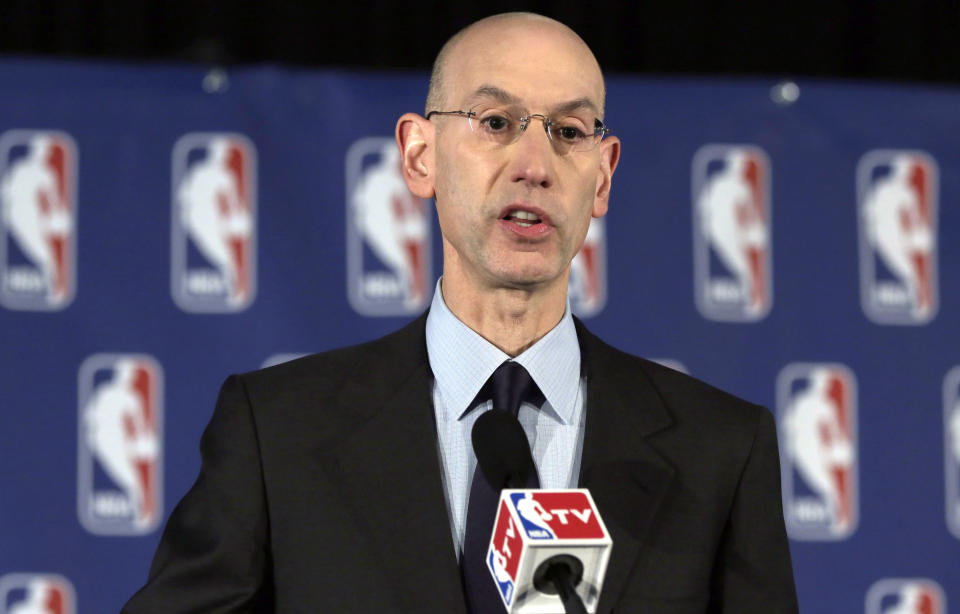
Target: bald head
pixel 526 37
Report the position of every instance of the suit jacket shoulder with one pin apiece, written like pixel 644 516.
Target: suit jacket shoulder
pixel 687 478
pixel 361 377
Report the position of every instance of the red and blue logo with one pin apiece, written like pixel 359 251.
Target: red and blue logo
pixel 817 414
pixel 905 596
pixel 556 515
pixel 26 593
pixel 120 444
pixel 732 232
pixel 214 223
pixel 506 548
pixel 588 272
pixel 897 194
pixel 389 270
pixel 38 213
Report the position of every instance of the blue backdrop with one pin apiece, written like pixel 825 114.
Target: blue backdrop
pixel 164 226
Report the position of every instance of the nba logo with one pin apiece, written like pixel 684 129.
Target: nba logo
pixel 951 448
pixel 388 234
pixel 26 593
pixel 905 596
pixel 731 232
pixel 816 408
pixel 588 273
pixel 897 195
pixel 120 445
pixel 503 556
pixel 38 211
pixel 214 223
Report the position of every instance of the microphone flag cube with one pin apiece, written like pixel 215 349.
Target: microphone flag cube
pixel 532 526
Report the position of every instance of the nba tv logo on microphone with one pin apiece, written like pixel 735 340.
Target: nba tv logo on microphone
pixel 732 232
pixel 214 223
pixel 120 444
pixel 532 526
pixel 817 416
pixel 38 220
pixel 389 266
pixel 897 201
pixel 36 592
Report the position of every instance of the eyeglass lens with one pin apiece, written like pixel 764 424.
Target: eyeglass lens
pixel 504 126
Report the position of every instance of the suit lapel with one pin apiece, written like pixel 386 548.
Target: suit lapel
pixel 626 476
pixel 389 470
pixel 400 502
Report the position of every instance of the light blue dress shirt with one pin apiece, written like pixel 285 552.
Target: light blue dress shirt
pixel 462 361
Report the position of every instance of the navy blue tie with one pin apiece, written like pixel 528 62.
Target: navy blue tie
pixel 509 387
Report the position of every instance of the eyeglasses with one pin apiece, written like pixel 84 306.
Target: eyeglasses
pixel 502 127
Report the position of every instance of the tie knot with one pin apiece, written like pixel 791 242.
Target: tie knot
pixel 511 385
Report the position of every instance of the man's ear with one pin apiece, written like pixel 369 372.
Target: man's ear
pixel 609 157
pixel 415 137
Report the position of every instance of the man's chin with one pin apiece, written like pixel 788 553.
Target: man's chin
pixel 530 278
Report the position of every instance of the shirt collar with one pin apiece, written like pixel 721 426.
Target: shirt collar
pixel 462 361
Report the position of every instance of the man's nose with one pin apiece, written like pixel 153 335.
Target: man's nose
pixel 533 155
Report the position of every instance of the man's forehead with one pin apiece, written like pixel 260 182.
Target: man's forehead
pixel 523 56
pixel 493 94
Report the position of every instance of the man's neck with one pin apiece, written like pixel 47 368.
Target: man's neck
pixel 509 318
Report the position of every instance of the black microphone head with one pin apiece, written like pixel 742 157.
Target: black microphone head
pixel 502 449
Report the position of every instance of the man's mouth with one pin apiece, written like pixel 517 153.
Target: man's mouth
pixel 522 218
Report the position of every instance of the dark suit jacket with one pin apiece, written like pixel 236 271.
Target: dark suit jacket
pixel 320 491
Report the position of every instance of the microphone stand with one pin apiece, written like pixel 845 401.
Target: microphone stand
pixel 561 573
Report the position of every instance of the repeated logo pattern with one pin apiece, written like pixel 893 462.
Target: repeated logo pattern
pixel 389 271
pixel 214 223
pixel 214 235
pixel 897 193
pixel 38 219
pixel 732 232
pixel 119 465
pixel 816 407
pixel 905 596
pixel 34 593
pixel 588 272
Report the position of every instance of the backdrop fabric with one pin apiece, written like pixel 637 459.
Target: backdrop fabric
pixel 164 226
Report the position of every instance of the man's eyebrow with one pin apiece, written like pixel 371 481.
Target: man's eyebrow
pixel 492 91
pixel 575 105
pixel 504 97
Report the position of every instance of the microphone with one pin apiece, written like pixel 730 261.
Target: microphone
pixel 549 548
pixel 549 551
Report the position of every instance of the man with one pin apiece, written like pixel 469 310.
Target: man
pixel 324 480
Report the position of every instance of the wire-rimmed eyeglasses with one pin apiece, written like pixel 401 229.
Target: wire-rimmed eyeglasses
pixel 503 127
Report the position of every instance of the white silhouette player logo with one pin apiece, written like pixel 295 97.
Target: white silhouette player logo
pixel 393 225
pixel 905 596
pixel 898 234
pixel 40 594
pixel 588 272
pixel 818 429
pixel 214 209
pixel 37 211
pixel 121 437
pixel 532 511
pixel 499 569
pixel 732 215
